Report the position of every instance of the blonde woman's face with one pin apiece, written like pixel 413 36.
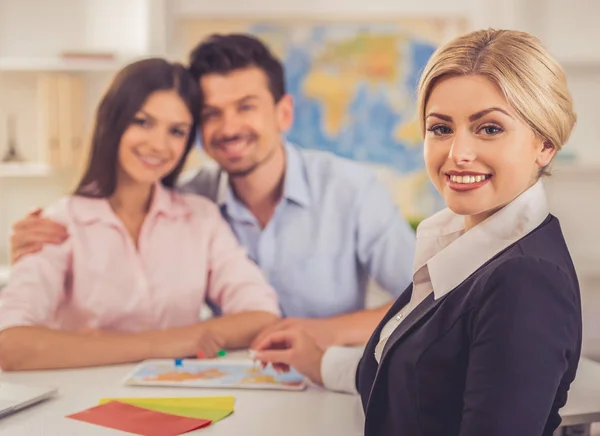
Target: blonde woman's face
pixel 479 154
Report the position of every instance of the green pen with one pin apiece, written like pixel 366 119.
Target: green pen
pixel 220 353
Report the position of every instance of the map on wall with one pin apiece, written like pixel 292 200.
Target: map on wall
pixel 354 88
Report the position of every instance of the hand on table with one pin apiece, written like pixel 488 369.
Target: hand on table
pixel 188 341
pixel 32 232
pixel 291 347
pixel 323 331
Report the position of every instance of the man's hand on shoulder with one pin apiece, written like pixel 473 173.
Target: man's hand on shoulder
pixel 32 232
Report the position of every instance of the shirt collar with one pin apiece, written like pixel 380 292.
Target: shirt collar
pixel 228 202
pixel 295 185
pixel 451 255
pixel 165 202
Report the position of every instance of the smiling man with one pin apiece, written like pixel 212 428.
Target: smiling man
pixel 319 226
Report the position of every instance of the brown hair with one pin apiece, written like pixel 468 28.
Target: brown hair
pixel 223 54
pixel 126 95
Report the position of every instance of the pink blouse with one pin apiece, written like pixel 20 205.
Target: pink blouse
pixel 98 279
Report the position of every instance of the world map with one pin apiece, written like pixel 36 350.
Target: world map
pixel 354 89
pixel 214 373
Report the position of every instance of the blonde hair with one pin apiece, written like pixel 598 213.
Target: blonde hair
pixel 532 81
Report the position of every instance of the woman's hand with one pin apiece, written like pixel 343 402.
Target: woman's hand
pixel 187 341
pixel 291 347
pixel 323 330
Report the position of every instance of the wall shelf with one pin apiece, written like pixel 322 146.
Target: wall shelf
pixel 4 274
pixel 581 66
pixel 34 169
pixel 575 167
pixel 588 269
pixel 59 64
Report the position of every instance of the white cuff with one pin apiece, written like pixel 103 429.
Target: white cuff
pixel 338 368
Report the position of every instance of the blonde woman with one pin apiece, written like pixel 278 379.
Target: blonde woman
pixel 486 340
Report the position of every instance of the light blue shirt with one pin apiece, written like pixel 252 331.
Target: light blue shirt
pixel 335 227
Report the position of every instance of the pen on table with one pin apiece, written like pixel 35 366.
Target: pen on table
pixel 220 353
pixel 200 355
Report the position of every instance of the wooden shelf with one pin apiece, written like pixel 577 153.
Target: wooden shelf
pixel 574 167
pixel 58 64
pixel 4 273
pixel 34 169
pixel 581 66
pixel 588 269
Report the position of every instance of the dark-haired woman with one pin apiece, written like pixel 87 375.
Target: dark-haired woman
pixel 141 259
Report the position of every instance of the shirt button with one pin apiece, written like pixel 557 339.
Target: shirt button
pixel 399 317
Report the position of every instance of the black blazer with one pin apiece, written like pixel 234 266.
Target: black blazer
pixel 494 357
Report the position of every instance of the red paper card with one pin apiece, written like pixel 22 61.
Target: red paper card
pixel 132 419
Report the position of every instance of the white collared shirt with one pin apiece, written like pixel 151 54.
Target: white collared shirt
pixel 441 241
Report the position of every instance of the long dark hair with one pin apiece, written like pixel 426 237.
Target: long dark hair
pixel 125 97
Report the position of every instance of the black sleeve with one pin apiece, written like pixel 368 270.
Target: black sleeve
pixel 526 331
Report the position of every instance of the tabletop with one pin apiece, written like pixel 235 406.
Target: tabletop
pixel 314 411
pixel 583 405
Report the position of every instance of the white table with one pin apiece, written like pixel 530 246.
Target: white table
pixel 312 412
pixel 263 413
pixel 583 406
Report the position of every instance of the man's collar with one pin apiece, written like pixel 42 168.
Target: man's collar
pixel 295 185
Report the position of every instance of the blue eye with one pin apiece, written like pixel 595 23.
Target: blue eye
pixel 491 130
pixel 440 130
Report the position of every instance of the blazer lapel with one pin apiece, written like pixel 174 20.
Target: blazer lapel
pixel 402 301
pixel 426 306
pixel 368 362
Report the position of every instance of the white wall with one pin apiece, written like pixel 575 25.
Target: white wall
pixel 40 28
pixel 570 31
pixel 569 28
pixel 263 8
pixel 117 24
pixel 30 27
